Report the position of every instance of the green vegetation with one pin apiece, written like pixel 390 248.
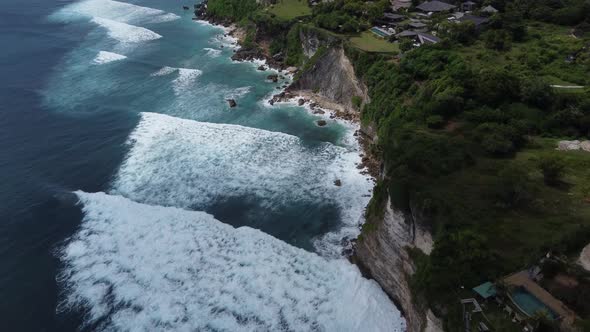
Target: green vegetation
pixel 231 9
pixel 468 130
pixel 367 41
pixel 290 9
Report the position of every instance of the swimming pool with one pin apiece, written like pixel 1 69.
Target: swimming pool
pixel 380 32
pixel 528 303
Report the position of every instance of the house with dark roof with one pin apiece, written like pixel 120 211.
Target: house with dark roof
pixel 435 6
pixel 477 20
pixel 489 10
pixel 418 36
pixel 400 4
pixel 417 25
pixel 393 17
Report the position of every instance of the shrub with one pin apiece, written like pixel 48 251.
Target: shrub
pixel 498 40
pixel 537 93
pixel 552 168
pixel 496 86
pixel 357 101
pixel 435 121
pixel 513 188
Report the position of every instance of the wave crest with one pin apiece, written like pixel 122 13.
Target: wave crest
pixel 145 267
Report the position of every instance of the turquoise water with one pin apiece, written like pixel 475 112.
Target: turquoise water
pixel 379 32
pixel 529 303
pixel 134 197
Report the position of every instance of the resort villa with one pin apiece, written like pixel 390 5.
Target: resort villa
pixel 524 301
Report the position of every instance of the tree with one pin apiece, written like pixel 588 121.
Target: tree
pixel 537 92
pixel 512 188
pixel 435 121
pixel 406 44
pixel 498 40
pixel 496 86
pixel 458 258
pixel 552 168
pixel 463 33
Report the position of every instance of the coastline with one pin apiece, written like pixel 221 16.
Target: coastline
pixel 328 110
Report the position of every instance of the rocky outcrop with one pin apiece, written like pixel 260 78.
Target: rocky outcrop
pixel 573 145
pixel 383 253
pixel 332 76
pixel 312 40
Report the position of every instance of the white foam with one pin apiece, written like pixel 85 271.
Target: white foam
pixel 185 79
pixel 212 52
pixel 105 57
pixel 165 71
pixel 114 10
pixel 240 92
pixel 191 164
pixel 124 32
pixel 145 268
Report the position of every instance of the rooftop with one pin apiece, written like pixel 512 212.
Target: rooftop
pixel 477 20
pixel 417 25
pixel 485 290
pixel 489 9
pixel 393 16
pixel 435 6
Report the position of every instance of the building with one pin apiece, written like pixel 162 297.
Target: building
pixel 489 10
pixel 529 298
pixel 436 7
pixel 417 26
pixel 477 20
pixel 397 5
pixel 393 17
pixel 486 290
pixel 420 37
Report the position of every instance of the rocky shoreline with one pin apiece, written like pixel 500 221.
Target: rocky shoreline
pixel 316 104
pixel 337 64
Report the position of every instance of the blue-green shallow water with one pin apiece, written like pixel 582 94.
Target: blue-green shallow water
pixel 72 121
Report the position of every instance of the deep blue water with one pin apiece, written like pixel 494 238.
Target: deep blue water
pixel 70 120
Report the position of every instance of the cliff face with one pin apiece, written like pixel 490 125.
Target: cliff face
pixel 383 253
pixel 331 76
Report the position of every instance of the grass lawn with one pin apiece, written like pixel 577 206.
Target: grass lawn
pixel 543 53
pixel 290 9
pixel 367 41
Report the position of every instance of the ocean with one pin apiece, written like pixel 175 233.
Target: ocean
pixel 134 198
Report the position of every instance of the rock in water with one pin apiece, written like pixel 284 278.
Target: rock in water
pixel 273 77
pixel 261 68
pixel 185 7
pixel 232 102
pixel 321 123
pixel 338 183
pixel 300 102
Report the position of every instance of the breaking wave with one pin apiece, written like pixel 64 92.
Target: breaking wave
pixel 124 32
pixel 190 164
pixel 145 268
pixel 114 10
pixel 186 77
pixel 105 57
pixel 212 52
